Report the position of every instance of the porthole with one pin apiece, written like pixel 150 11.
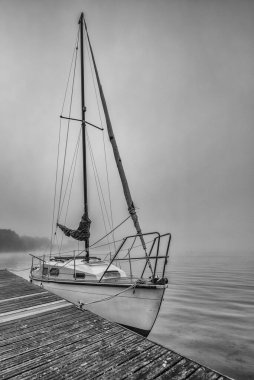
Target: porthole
pixel 79 275
pixel 54 272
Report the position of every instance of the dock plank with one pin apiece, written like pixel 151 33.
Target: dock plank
pixel 54 350
pixel 70 343
pixel 33 321
pixel 127 369
pixel 180 371
pixel 119 356
pixel 43 335
pixel 74 363
pixel 13 286
pixel 17 304
pixel 203 374
pixel 156 366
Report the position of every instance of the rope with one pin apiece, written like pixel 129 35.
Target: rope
pixel 133 286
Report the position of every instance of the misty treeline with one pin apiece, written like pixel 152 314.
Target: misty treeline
pixel 11 241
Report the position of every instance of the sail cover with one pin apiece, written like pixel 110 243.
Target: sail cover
pixel 82 233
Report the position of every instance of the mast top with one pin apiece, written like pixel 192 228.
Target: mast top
pixel 81 17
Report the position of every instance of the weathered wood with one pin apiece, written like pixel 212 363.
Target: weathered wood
pixel 26 296
pixel 181 370
pixel 32 310
pixel 120 356
pixel 70 343
pixel 27 342
pixel 203 373
pixel 35 320
pixel 22 303
pixel 127 369
pixel 13 286
pixel 156 366
pixel 74 363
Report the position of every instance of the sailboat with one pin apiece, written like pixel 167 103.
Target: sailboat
pixel 125 285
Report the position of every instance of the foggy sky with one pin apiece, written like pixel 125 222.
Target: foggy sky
pixel 178 79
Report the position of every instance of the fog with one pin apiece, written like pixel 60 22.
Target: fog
pixel 178 79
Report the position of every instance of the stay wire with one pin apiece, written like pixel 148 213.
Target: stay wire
pixel 92 74
pixel 74 162
pixel 58 147
pixel 98 186
pixel 103 134
pixel 117 241
pixel 103 237
pixel 69 75
pixel 67 135
pixel 73 174
pixel 55 189
pixel 98 179
pixel 59 138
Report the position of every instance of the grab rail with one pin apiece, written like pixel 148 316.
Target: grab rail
pixel 157 239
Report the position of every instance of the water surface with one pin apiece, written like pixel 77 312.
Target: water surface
pixel 208 311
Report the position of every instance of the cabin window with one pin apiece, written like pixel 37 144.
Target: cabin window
pixel 54 272
pixel 45 271
pixel 79 275
pixel 111 274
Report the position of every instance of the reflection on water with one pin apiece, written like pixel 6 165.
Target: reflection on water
pixel 208 311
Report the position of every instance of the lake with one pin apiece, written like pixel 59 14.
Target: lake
pixel 208 310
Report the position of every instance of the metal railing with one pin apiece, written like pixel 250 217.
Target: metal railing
pixel 153 254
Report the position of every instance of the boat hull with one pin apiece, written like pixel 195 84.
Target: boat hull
pixel 135 308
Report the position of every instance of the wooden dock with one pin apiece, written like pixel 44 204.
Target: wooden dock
pixel 45 337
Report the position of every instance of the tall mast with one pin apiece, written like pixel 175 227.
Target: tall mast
pixel 83 115
pixel 126 189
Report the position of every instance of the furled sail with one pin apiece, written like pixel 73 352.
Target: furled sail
pixel 82 233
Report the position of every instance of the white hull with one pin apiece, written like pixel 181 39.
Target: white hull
pixel 134 308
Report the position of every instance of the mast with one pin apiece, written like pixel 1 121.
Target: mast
pixel 126 189
pixel 83 113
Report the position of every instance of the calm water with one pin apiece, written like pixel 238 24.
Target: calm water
pixel 208 311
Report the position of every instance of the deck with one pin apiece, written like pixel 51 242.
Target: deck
pixel 45 337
